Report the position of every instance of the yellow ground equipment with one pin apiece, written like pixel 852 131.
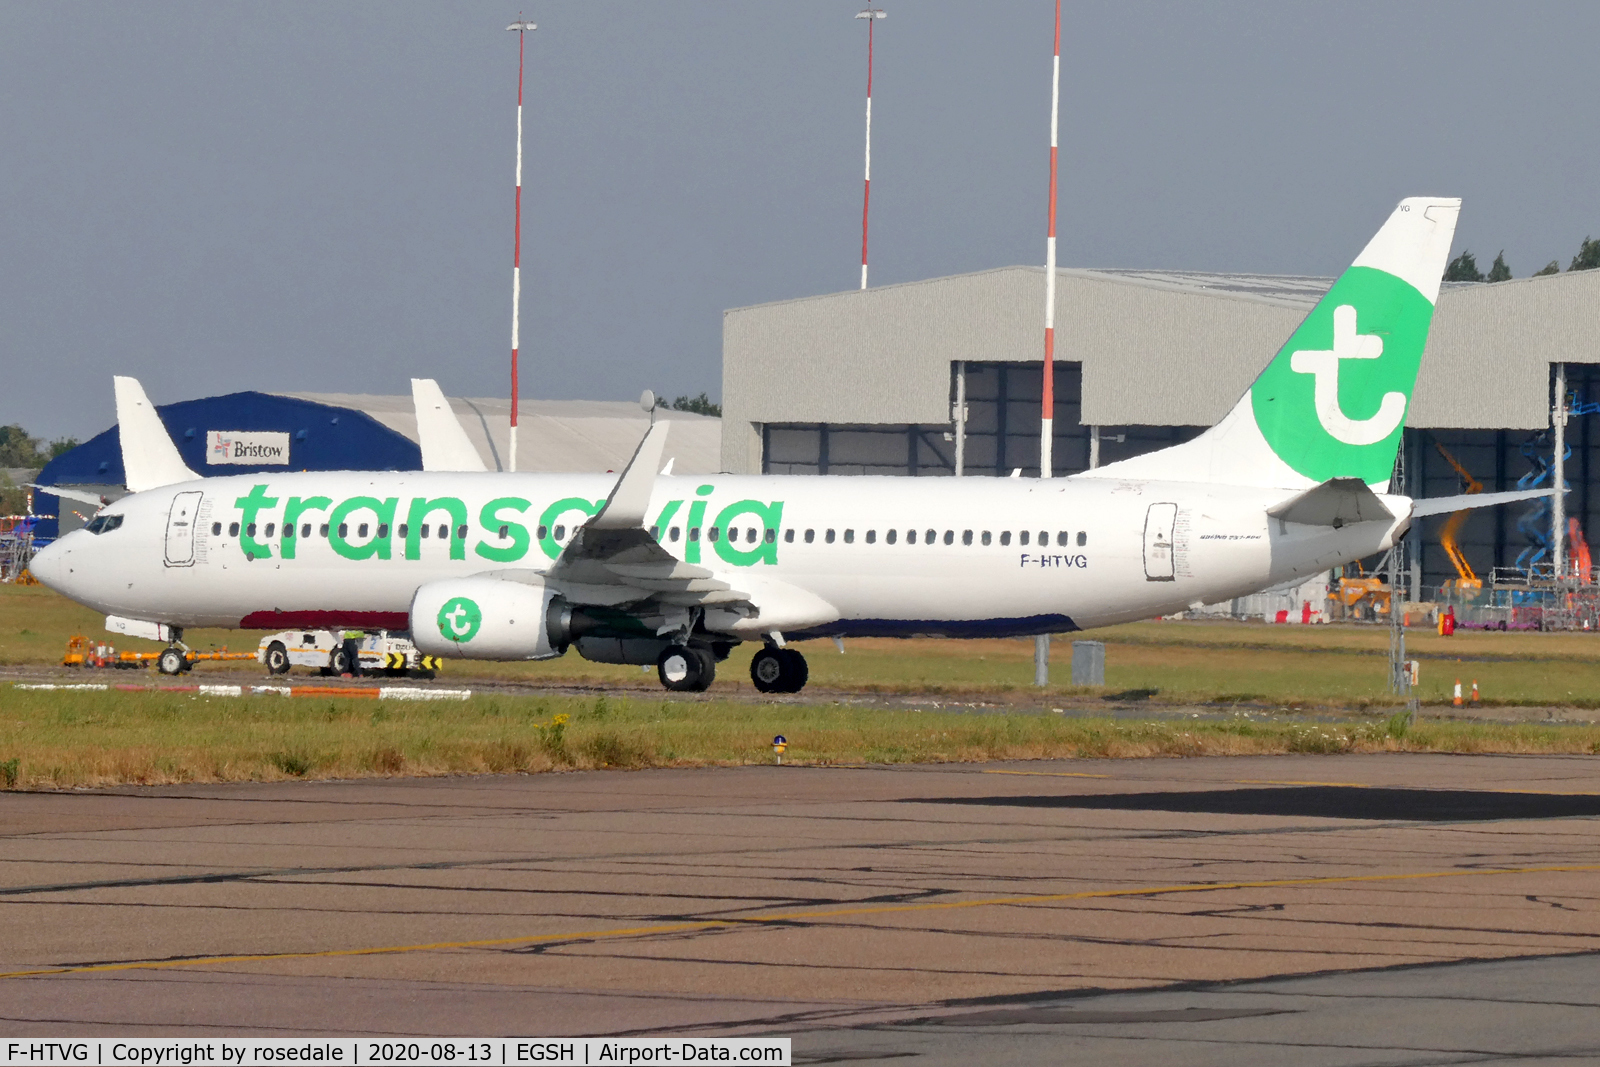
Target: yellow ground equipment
pixel 1364 597
pixel 1467 581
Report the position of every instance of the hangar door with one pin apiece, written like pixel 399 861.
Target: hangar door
pixel 180 529
pixel 1158 524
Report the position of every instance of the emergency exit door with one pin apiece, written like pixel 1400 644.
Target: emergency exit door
pixel 180 529
pixel 1158 524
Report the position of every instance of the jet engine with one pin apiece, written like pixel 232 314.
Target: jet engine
pixel 490 618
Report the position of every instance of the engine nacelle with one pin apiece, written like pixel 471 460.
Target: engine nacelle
pixel 490 618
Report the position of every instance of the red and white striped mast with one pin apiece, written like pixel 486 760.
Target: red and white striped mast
pixel 872 15
pixel 522 27
pixel 1047 418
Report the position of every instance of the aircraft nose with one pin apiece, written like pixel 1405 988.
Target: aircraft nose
pixel 49 565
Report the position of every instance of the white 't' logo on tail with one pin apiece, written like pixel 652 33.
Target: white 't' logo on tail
pixel 1347 344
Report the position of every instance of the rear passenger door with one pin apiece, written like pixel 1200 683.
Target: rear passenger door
pixel 1158 525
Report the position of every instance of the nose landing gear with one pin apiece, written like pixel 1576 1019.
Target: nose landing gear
pixel 779 670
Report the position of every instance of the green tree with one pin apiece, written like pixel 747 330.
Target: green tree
pixel 17 449
pixel 1464 268
pixel 1588 257
pixel 1552 267
pixel 700 405
pixel 1498 271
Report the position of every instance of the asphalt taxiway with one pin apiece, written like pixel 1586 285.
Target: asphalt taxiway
pixel 1152 910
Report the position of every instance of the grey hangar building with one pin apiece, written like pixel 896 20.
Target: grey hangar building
pixel 867 382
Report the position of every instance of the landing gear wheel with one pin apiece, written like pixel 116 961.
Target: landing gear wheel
pixel 171 661
pixel 779 670
pixel 277 658
pixel 708 665
pixel 767 670
pixel 685 670
pixel 798 673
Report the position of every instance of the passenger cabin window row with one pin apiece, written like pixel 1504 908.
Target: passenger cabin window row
pixel 1063 538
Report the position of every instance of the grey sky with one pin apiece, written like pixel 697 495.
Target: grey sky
pixel 315 196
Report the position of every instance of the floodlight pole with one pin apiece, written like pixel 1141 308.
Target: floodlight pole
pixel 521 27
pixel 1047 424
pixel 872 15
pixel 1558 471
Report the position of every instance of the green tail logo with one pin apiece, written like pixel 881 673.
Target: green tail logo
pixel 1333 402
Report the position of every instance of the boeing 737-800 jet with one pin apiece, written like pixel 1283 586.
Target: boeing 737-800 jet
pixel 647 568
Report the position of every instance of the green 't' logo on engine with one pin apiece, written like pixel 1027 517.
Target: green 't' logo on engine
pixel 1333 402
pixel 459 619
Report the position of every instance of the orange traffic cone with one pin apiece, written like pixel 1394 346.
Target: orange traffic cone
pixel 1457 700
pixel 1474 690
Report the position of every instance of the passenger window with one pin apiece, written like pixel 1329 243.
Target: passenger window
pixel 423 531
pixel 655 531
pixel 694 533
pixel 444 532
pixel 505 532
pixel 933 535
pixel 986 537
pixel 561 531
pixel 1022 538
pixel 811 535
pixel 383 530
pixel 1005 537
pixel 872 537
pixel 216 529
pixel 1063 537
pixel 750 535
pixel 849 537
pixel 966 537
pixel 911 537
pixel 361 531
pixel 305 531
pixel 270 527
pixel 788 536
pixel 1083 538
pixel 672 533
pixel 323 530
pixel 828 537
pixel 344 529
pixel 1044 538
pixel 461 533
pixel 949 537
pixel 772 536
pixel 544 531
pixel 288 531
pixel 890 536
pixel 250 531
pixel 712 533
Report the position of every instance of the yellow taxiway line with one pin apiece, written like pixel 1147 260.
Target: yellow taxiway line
pixel 790 917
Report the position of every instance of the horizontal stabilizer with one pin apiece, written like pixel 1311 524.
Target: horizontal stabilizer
pixel 71 494
pixel 1336 502
pixel 1443 505
pixel 149 458
pixel 445 445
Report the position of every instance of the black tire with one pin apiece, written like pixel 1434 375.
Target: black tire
pixel 708 669
pixel 277 658
pixel 767 670
pixel 679 668
pixel 424 673
pixel 797 672
pixel 339 662
pixel 172 661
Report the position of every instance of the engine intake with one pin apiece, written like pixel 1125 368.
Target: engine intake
pixel 490 618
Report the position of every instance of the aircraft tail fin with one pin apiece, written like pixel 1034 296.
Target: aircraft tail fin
pixel 445 445
pixel 149 458
pixel 1333 401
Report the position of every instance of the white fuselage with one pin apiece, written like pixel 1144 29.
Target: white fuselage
pixel 892 556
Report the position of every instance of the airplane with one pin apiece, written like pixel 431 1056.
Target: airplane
pixel 648 568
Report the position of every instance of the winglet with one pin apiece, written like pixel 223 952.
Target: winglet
pixel 445 445
pixel 630 497
pixel 149 458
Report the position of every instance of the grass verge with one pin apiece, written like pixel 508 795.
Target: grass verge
pixel 64 740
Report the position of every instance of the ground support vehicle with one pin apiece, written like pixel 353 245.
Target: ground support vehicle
pixel 349 652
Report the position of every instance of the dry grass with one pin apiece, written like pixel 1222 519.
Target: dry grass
pixel 82 738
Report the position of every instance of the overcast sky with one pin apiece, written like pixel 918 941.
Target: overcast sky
pixel 318 196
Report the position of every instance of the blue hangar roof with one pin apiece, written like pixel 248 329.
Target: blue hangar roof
pixel 318 437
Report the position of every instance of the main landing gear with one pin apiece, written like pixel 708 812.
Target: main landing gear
pixel 686 669
pixel 779 670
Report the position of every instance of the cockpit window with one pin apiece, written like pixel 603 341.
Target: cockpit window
pixel 103 524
